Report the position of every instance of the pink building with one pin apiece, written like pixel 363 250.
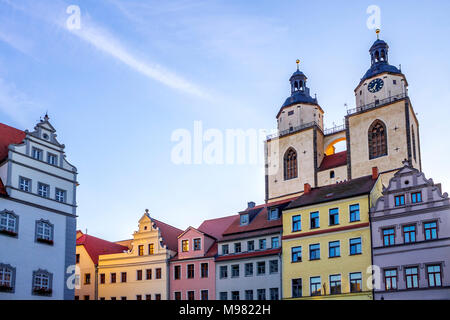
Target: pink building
pixel 192 270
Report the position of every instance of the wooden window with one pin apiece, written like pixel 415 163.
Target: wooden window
pixel 355 282
pixel 204 295
pixel 314 220
pixel 185 245
pixel 334 249
pixel 191 295
pixel 77 259
pixel 409 234
pixel 248 269
pixel 354 213
pixel 296 288
pixel 87 278
pixel 235 271
pixel 416 197
pixel 261 268
pixel 102 278
pixel 412 277
pixel 335 284
pixel 389 237
pixel 377 140
pixel 204 270
pixel 123 277
pixel 390 279
pixel 197 244
pixel 399 200
pixel 314 251
pixel 158 296
pixel 151 248
pixel 113 278
pixel 190 271
pixel 177 295
pixel 148 273
pixel 177 272
pixel 355 246
pixel 158 273
pixel 296 254
pixel 148 297
pixel 141 250
pixel 290 164
pixel 139 275
pixel 434 276
pixel 296 223
pixel 315 286
pixel 430 229
pixel 334 216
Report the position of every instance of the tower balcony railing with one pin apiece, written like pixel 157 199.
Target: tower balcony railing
pixel 334 129
pixel 377 103
pixel 293 130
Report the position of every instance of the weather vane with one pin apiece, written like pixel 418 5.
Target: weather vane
pixel 378 33
pixel 298 62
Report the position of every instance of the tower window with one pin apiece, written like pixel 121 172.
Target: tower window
pixel 290 164
pixel 377 140
pixel 413 143
pixel 331 174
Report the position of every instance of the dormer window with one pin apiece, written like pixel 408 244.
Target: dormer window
pixel 52 158
pixel 37 153
pixel 185 245
pixel 197 244
pixel 244 219
pixel 274 214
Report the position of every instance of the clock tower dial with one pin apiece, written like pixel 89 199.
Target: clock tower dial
pixel 375 85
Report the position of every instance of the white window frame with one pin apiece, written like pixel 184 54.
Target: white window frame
pixel 46 226
pixel 9 216
pixel 43 190
pixel 25 184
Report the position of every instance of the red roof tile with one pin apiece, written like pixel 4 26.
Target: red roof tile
pixel 9 135
pixel 96 246
pixel 216 227
pixel 334 161
pixel 169 234
pixel 2 188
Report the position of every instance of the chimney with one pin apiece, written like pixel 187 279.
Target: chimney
pixel 307 188
pixel 375 173
pixel 251 204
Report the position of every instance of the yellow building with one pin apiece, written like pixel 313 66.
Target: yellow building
pixel 326 241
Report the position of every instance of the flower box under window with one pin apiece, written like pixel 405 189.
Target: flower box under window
pixel 46 241
pixel 6 288
pixel 8 233
pixel 42 291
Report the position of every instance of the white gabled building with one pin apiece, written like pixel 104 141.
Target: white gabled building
pixel 37 214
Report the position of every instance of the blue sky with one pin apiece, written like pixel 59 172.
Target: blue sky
pixel 137 71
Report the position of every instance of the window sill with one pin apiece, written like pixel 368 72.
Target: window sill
pixel 314 259
pixel 11 234
pixel 6 289
pixel 334 257
pixel 42 292
pixel 45 241
pixel 356 254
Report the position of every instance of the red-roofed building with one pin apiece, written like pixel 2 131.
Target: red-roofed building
pixel 192 270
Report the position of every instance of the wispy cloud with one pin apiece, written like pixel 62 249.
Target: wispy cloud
pixel 15 103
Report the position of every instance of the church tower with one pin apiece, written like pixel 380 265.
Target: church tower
pixel 293 154
pixel 382 130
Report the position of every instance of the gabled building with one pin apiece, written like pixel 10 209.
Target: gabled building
pixel 411 238
pixel 248 265
pixel 192 270
pixel 143 271
pixel 326 241
pixel 37 214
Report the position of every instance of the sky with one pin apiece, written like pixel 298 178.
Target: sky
pixel 120 87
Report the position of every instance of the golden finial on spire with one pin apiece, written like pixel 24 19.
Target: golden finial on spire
pixel 298 62
pixel 378 33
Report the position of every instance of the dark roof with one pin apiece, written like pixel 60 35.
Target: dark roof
pixel 96 246
pixel 168 233
pixel 378 68
pixel 299 97
pixel 216 227
pixel 9 135
pixel 334 161
pixel 333 192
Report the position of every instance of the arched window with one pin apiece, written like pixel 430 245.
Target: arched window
pixel 290 164
pixel 377 140
pixel 331 174
pixel 413 143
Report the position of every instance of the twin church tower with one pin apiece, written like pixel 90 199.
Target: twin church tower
pixel 382 131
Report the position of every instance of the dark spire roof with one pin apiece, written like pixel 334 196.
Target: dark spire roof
pixel 299 90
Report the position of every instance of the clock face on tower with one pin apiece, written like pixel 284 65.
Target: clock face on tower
pixel 375 85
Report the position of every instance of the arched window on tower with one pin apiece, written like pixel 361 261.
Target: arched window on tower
pixel 290 164
pixel 377 140
pixel 377 56
pixel 383 55
pixel 413 143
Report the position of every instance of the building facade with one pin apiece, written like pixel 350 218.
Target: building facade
pixel 326 241
pixel 37 214
pixel 411 238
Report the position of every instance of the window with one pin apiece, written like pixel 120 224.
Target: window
pixel 261 293
pixel 354 213
pixel 290 164
pixel 356 282
pixel 390 279
pixel 314 220
pixel 87 278
pixel 113 278
pixel 296 288
pixel 377 140
pixel 148 274
pixel 77 258
pixel 225 249
pixel 237 247
pixel 42 283
pixel 290 113
pixel 274 294
pixel 394 81
pixel 334 217
pixel 261 268
pixel 204 294
pixel 223 296
pixel 86 297
pixel 43 190
pixel 138 297
pixel 223 272
pixel 151 248
pixel 44 232
pixel 434 276
pixel 296 223
pixel 158 296
pixel 8 223
pixel 334 249
pixel 250 245
pixel 314 251
pixel 273 214
pixel 149 297
pixel 235 271
pixel 389 237
pixel 204 270
pixel 123 277
pixel 177 295
pixel 190 271
pixel 275 242
pixel 332 174
pixel 37 153
pixel 234 295
pixel 399 200
pixel 185 245
pixel 113 298
pixel 248 269
pixel 191 295
pixel 412 277
pixel 248 294
pixel 7 278
pixel 25 184
pixel 416 197
pixel 355 246
pixel 60 195
pixel 296 254
pixel 141 250
pixel 413 143
pixel 138 275
pixel 335 284
pixel 430 229
pixel 409 234
pixel 244 219
pixel 197 244
pixel 158 273
pixel 52 158
pixel 102 278
pixel 177 272
pixel 273 266
pixel 315 285
pixel 262 244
